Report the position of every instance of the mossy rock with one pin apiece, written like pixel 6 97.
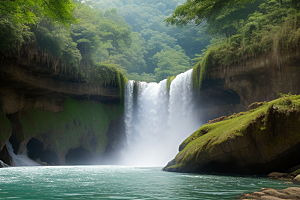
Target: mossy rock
pixel 80 124
pixel 169 81
pixel 296 172
pixel 258 141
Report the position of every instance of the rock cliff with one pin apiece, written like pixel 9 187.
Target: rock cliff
pixel 258 141
pixel 230 89
pixel 59 119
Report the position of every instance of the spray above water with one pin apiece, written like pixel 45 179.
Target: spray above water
pixel 20 159
pixel 157 121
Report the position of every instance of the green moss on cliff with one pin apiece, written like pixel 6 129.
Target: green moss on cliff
pixel 122 81
pixel 169 81
pixel 5 128
pixel 68 129
pixel 296 172
pixel 275 125
pixel 105 74
pixel 198 75
pixel 273 28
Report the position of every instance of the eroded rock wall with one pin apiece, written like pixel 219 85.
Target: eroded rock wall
pixel 55 114
pixel 61 125
pixel 231 89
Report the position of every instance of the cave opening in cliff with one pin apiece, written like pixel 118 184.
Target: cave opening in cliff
pixel 14 143
pixel 79 156
pixel 5 157
pixel 36 152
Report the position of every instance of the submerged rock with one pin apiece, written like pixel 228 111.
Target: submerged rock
pixel 259 141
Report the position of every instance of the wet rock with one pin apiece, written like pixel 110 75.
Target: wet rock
pixel 296 180
pixel 280 176
pixel 255 105
pixel 272 194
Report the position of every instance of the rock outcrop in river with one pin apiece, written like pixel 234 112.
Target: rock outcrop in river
pixel 258 141
pixel 272 194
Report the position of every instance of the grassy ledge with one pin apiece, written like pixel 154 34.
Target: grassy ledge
pixel 274 126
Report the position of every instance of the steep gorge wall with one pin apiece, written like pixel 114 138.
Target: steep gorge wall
pixel 59 121
pixel 231 89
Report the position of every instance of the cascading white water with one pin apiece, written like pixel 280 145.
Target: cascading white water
pixel 182 118
pixel 20 159
pixel 158 121
pixel 128 109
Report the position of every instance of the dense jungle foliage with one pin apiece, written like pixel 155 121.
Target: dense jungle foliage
pixel 246 29
pixel 77 37
pixel 131 37
pixel 70 37
pixel 157 50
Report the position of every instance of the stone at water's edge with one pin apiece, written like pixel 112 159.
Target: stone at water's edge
pixel 272 194
pixel 280 176
pixel 297 179
pixel 259 141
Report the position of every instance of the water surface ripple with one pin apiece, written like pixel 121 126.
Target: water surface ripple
pixel 118 182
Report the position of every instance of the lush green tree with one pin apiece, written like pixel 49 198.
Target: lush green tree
pixel 222 16
pixel 28 11
pixel 274 27
pixel 141 77
pixel 13 36
pixel 104 36
pixel 147 18
pixel 99 34
pixel 193 39
pixel 171 62
pixel 156 42
pixel 132 58
pixel 199 10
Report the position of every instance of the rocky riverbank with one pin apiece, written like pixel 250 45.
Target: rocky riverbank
pixel 272 194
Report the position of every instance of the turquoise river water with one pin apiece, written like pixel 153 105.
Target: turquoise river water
pixel 118 182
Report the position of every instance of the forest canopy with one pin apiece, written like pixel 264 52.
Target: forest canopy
pixel 28 11
pixel 241 30
pixel 76 35
pixel 131 37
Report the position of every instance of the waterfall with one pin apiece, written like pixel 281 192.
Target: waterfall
pixel 157 121
pixel 182 118
pixel 128 109
pixel 20 159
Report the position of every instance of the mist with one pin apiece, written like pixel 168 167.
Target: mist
pixel 157 120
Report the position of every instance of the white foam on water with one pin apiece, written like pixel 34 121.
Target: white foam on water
pixel 20 159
